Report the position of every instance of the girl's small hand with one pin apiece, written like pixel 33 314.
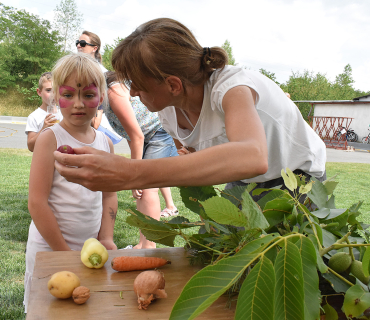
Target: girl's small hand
pixel 182 151
pixel 137 194
pixel 108 244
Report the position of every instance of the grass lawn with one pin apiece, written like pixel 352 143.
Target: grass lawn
pixel 354 185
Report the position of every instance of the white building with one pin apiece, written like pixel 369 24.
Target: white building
pixel 340 110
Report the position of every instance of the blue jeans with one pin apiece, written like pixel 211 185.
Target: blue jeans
pixel 161 145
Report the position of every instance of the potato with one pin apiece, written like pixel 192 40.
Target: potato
pixel 62 284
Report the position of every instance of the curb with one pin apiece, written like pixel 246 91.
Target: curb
pixel 15 120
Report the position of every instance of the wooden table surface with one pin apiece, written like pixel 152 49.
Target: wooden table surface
pixel 105 285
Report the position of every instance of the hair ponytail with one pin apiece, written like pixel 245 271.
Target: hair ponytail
pixel 214 58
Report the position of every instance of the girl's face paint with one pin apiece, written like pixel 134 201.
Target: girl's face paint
pixel 65 93
pixel 78 100
pixel 91 92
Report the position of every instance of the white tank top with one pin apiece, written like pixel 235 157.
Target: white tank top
pixel 77 209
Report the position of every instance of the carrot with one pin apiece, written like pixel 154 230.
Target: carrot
pixel 126 263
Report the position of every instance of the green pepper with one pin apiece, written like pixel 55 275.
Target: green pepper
pixel 93 254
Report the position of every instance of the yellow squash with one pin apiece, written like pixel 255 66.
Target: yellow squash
pixel 93 254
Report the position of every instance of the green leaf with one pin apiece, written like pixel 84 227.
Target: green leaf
pixel 365 262
pixel 252 211
pixel 337 215
pixel 330 312
pixel 321 213
pixel 312 295
pixel 289 285
pixel 356 301
pixel 305 188
pixel 273 194
pixel 152 229
pixel 318 193
pixel 256 296
pixel 338 284
pixel 330 186
pixel 289 178
pixel 323 268
pixel 212 281
pixel 192 195
pixel 223 211
pixel 235 194
pixel 275 210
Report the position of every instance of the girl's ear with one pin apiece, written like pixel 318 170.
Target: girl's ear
pixel 175 85
pixel 101 99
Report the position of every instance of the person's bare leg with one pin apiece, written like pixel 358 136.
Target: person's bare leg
pixel 149 205
pixel 167 196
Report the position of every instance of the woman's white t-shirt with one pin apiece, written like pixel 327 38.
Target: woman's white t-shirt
pixel 291 142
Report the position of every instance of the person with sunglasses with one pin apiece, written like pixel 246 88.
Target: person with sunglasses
pixel 90 43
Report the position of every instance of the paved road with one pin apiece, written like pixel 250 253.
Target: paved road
pixel 12 136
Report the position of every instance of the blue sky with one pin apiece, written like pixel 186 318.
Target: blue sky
pixel 280 36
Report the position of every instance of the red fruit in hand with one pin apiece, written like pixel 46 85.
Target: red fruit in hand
pixel 66 149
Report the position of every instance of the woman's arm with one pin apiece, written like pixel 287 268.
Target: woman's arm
pixel 110 207
pixel 119 101
pixel 245 156
pixel 41 179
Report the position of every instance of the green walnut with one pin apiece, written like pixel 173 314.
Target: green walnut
pixel 340 262
pixel 356 270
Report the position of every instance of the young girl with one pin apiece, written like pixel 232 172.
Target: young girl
pixel 65 214
pixel 147 140
pixel 240 123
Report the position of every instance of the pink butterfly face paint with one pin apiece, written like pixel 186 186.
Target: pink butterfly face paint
pixel 64 102
pixel 91 96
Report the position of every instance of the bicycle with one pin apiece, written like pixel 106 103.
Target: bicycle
pixel 350 134
pixel 366 139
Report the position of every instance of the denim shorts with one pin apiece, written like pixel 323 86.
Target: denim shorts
pixel 161 145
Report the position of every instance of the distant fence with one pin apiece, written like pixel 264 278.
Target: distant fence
pixel 328 129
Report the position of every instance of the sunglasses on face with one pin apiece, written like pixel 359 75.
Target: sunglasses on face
pixel 83 43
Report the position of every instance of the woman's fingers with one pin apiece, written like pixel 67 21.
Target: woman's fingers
pixel 93 169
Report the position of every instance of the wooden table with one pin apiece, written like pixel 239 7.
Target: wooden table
pixel 106 284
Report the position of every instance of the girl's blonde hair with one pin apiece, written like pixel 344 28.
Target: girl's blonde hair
pixel 86 68
pixel 163 47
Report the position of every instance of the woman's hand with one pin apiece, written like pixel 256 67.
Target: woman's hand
pixel 94 169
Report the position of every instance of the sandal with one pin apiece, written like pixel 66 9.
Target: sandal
pixel 169 213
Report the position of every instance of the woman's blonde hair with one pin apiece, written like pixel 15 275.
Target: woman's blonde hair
pixel 86 68
pixel 163 47
pixel 95 40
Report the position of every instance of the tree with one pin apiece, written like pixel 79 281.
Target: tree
pixel 107 55
pixel 68 21
pixel 28 46
pixel 269 75
pixel 227 47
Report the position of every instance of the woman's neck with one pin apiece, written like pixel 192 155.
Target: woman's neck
pixel 192 102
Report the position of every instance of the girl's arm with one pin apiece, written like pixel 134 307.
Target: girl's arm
pixel 245 156
pixel 41 179
pixel 110 207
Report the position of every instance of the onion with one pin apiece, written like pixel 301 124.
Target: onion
pixel 148 286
